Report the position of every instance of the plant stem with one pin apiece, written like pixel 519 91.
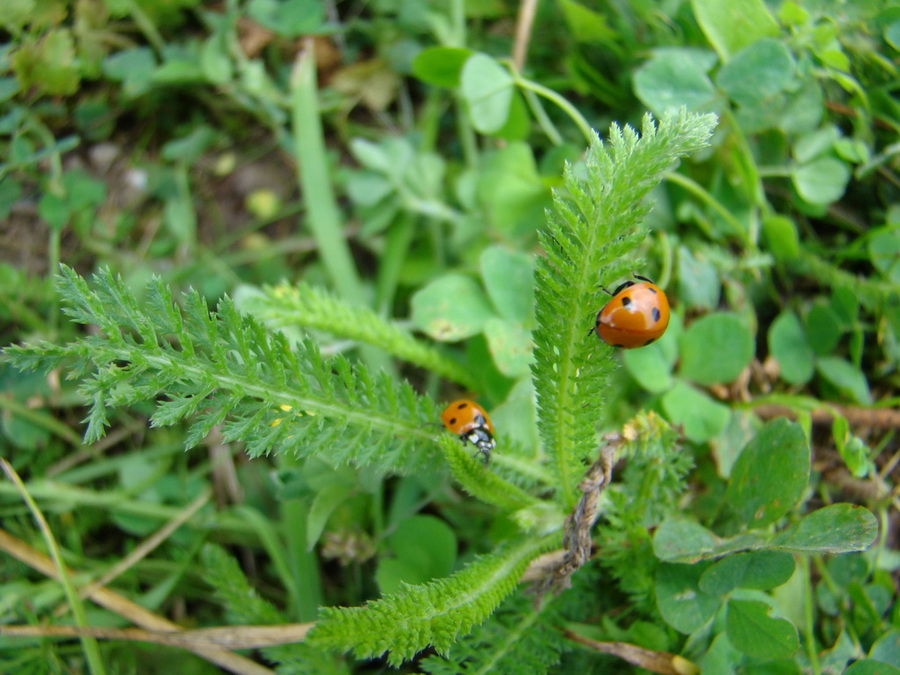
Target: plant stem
pixel 88 644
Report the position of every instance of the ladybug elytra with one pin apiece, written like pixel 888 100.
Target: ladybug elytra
pixel 637 315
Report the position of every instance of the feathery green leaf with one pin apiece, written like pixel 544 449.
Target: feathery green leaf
pixel 436 613
pixel 305 305
pixel 586 244
pixel 224 368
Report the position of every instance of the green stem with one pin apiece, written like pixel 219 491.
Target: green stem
pixel 88 644
pixel 560 101
pixel 698 191
pixel 809 610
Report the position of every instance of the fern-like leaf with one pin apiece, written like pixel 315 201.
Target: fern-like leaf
pixel 586 244
pixel 310 307
pixel 436 613
pixel 244 606
pixel 224 368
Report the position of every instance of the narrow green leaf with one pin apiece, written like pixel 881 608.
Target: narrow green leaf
pixel 323 505
pixel 752 631
pixel 838 528
pixel 779 450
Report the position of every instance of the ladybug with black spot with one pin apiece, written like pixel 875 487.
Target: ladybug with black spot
pixel 637 315
pixel 470 422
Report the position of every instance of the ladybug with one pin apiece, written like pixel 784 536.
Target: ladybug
pixel 470 422
pixel 637 315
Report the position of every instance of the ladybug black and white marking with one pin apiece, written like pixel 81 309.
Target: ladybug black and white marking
pixel 470 422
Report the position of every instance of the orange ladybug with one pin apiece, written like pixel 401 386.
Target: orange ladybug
pixel 637 315
pixel 470 422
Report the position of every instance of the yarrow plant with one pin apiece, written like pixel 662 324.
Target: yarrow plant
pixel 227 369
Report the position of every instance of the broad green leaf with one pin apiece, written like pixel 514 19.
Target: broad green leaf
pixel 715 349
pixel 650 367
pixel 721 657
pixel 884 251
pixel 9 87
pixel 760 570
pixel 892 34
pixel 587 25
pixel 887 648
pixel 781 237
pixel 682 603
pixel 823 328
pixel 509 280
pixel 16 13
pixel 758 72
pixel 134 68
pixel 815 144
pixel 440 66
pixel 846 378
pixel 451 308
pixel 423 547
pixel 512 192
pixel 214 60
pixel 289 18
pixel 821 181
pixel 48 64
pixel 680 539
pixel 731 26
pixel 787 343
pixel 675 77
pixel 702 417
pixel 510 346
pixel 698 281
pixel 838 528
pixel 487 87
pixel 769 477
pixel 752 631
pixel 871 667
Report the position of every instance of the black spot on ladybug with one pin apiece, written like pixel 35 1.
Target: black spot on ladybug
pixel 649 341
pixel 655 313
pixel 462 405
pixel 626 301
pixel 652 290
pixel 453 422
